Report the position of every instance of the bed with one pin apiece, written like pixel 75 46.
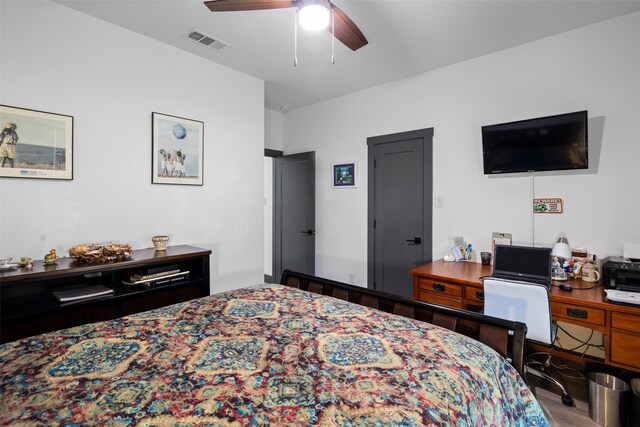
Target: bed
pixel 264 355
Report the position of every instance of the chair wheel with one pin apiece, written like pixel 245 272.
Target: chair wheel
pixel 567 400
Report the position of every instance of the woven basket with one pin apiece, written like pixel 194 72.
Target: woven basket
pixel 96 253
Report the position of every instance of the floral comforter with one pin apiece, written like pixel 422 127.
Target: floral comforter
pixel 262 356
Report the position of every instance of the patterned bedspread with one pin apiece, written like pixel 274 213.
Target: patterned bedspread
pixel 262 356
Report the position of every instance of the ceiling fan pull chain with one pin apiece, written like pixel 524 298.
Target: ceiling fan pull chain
pixel 333 38
pixel 295 40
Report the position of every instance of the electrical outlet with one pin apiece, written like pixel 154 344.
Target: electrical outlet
pixel 352 278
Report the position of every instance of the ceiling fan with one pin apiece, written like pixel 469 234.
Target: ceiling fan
pixel 343 28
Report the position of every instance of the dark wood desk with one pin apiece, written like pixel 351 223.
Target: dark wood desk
pixel 459 284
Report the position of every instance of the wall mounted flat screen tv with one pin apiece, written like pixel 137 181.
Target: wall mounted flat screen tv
pixel 543 144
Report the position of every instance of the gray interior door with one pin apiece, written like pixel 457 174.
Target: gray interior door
pixel 294 201
pixel 400 193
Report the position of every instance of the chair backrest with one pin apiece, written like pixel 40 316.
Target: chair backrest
pixel 521 301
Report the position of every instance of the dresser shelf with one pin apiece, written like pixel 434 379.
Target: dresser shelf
pixel 28 306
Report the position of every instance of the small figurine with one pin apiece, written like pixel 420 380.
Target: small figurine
pixel 26 262
pixel 51 257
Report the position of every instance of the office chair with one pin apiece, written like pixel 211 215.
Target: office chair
pixel 528 303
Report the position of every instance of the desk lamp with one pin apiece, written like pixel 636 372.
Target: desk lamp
pixel 562 249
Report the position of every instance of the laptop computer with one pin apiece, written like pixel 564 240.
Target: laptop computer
pixel 523 263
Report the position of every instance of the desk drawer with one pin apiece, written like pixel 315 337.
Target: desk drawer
pixel 629 322
pixel 579 313
pixel 474 294
pixel 440 287
pixel 440 299
pixel 625 349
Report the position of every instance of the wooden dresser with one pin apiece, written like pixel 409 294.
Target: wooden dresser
pixel 459 284
pixel 28 306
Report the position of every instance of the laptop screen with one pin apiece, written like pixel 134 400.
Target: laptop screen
pixel 523 263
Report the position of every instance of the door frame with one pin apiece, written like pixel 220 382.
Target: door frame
pixel 273 154
pixel 277 214
pixel 426 135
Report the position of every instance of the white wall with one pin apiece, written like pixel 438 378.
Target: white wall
pixel 110 79
pixel 594 68
pixel 273 129
pixel 273 139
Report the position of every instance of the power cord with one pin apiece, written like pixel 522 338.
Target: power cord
pixel 560 368
pixel 563 367
pixel 582 343
pixel 579 289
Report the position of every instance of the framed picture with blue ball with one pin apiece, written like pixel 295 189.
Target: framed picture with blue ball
pixel 344 175
pixel 177 150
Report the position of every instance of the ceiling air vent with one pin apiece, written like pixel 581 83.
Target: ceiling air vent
pixel 205 39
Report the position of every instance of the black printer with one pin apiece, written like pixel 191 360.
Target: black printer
pixel 621 273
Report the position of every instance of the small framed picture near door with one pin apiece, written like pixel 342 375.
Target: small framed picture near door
pixel 35 144
pixel 177 150
pixel 344 175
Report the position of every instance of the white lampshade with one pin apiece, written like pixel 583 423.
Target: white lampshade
pixel 561 249
pixel 314 17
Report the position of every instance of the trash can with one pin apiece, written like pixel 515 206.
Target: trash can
pixel 608 399
pixel 634 413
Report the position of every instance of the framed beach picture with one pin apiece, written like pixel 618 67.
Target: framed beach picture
pixel 344 175
pixel 35 144
pixel 177 150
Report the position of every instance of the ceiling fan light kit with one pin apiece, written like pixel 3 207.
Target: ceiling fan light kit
pixel 342 27
pixel 314 15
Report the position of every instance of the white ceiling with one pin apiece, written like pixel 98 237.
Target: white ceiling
pixel 406 37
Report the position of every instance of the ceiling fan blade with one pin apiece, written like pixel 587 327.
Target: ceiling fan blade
pixel 346 30
pixel 238 5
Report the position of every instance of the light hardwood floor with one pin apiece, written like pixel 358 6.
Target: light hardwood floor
pixel 564 416
pixel 548 396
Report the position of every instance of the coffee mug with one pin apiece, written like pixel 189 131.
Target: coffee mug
pixel 590 273
pixel 4 261
pixel 485 257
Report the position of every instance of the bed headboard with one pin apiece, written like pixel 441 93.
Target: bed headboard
pixel 504 336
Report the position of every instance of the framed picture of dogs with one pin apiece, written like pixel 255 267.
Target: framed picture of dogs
pixel 35 144
pixel 177 150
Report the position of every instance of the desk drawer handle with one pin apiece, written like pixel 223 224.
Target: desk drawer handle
pixel 480 295
pixel 576 312
pixel 439 287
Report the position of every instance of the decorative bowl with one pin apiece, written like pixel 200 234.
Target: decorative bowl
pixel 98 253
pixel 160 242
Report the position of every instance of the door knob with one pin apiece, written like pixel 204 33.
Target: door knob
pixel 308 232
pixel 415 240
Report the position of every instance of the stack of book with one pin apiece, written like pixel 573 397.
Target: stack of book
pixel 154 278
pixel 69 296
